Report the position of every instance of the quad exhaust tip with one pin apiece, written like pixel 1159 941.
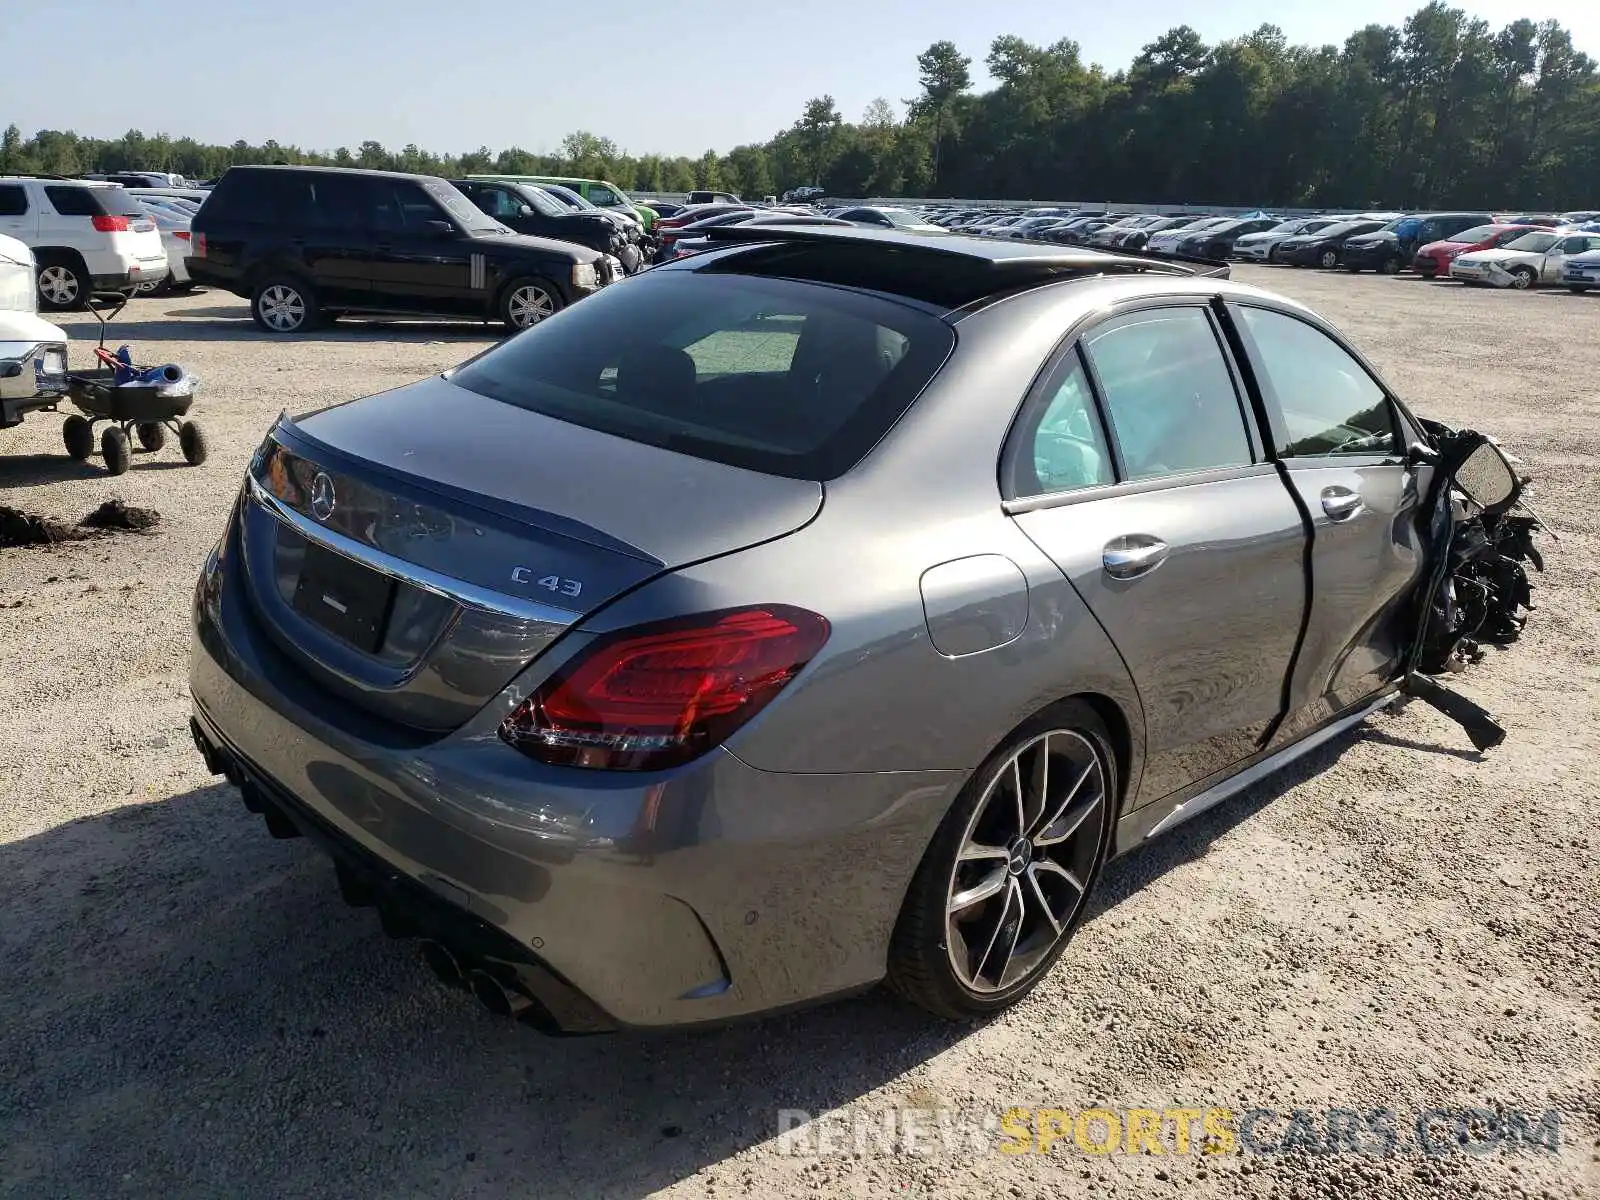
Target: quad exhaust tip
pixel 444 964
pixel 496 997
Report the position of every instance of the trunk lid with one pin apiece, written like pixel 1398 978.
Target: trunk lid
pixel 414 550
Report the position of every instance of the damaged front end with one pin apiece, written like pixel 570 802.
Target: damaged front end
pixel 1478 592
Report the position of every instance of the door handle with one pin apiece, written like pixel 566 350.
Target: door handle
pixel 1132 556
pixel 1340 503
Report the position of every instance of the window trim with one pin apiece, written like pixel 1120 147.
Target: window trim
pixel 1405 425
pixel 1072 342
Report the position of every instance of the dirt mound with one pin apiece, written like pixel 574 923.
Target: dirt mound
pixel 18 528
pixel 114 514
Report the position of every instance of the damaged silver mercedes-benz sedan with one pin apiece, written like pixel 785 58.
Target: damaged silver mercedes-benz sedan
pixel 829 608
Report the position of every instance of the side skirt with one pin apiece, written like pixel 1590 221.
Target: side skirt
pixel 1155 819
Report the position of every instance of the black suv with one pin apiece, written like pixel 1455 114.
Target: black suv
pixel 532 210
pixel 308 243
pixel 1389 250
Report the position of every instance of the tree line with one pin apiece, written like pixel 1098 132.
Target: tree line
pixel 1442 111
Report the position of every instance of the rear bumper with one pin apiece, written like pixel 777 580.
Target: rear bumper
pixel 681 897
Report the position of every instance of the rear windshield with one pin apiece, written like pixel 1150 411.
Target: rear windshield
pixel 69 201
pixel 774 375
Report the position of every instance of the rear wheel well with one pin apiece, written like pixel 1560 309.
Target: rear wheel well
pixel 66 254
pixel 1116 723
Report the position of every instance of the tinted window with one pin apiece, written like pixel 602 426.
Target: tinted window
pixel 1579 245
pixel 332 201
pixel 775 375
pixel 251 196
pixel 1330 405
pixel 600 194
pixel 1168 394
pixel 1062 445
pixel 497 202
pixel 401 207
pixel 92 202
pixel 13 200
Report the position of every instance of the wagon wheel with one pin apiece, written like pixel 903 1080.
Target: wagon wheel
pixel 115 450
pixel 152 435
pixel 192 442
pixel 78 437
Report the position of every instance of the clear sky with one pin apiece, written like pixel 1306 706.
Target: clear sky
pixel 672 76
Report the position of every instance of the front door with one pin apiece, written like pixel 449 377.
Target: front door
pixel 1555 260
pixel 1177 534
pixel 421 260
pixel 1342 442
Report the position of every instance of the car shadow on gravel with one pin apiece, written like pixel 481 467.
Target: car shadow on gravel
pixel 189 1010
pixel 1195 837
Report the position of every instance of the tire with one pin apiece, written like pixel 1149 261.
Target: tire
pixel 1389 266
pixel 152 435
pixel 527 301
pixel 284 304
pixel 1521 277
pixel 78 437
pixel 1272 254
pixel 63 285
pixel 193 443
pixel 1037 909
pixel 115 450
pixel 1328 259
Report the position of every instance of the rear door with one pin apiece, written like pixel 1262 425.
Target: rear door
pixel 18 218
pixel 1342 442
pixel 1135 469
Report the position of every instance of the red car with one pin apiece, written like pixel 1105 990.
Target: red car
pixel 1433 260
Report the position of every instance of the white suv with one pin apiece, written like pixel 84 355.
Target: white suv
pixel 86 237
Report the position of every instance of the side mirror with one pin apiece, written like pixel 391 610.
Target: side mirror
pixel 441 229
pixel 524 210
pixel 1486 477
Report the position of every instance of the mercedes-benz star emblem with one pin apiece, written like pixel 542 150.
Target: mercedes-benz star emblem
pixel 322 499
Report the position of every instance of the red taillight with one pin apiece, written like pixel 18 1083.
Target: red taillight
pixel 181 234
pixel 107 224
pixel 661 694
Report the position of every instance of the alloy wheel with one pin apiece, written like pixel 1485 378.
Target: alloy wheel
pixel 1025 862
pixel 58 284
pixel 282 308
pixel 529 305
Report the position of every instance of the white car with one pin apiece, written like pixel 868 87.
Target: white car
pixel 1166 242
pixel 173 225
pixel 1534 258
pixel 1581 272
pixel 86 237
pixel 33 352
pixel 1261 247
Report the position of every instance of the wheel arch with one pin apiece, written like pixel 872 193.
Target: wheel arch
pixel 73 257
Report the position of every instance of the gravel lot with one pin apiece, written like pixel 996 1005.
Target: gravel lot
pixel 186 1009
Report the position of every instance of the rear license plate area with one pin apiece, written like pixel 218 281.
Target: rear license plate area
pixel 350 601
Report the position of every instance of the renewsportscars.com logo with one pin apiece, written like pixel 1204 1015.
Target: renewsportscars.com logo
pixel 1177 1130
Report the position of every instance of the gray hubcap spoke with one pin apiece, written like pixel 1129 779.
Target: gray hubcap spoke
pixel 1032 840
